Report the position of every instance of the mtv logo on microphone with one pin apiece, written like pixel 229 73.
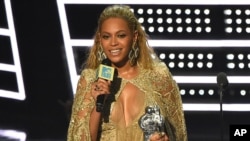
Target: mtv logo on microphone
pixel 106 72
pixel 239 132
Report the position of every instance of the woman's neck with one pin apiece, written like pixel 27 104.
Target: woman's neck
pixel 127 71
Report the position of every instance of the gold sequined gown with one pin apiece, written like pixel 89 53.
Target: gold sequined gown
pixel 156 87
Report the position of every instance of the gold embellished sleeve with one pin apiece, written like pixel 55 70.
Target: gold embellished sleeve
pixel 82 106
pixel 170 101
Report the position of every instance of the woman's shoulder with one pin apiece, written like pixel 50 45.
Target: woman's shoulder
pixel 160 67
pixel 87 70
pixel 161 72
pixel 88 73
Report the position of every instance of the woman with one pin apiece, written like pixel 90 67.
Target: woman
pixel 146 86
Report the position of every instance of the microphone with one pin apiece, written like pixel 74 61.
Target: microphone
pixel 106 72
pixel 222 81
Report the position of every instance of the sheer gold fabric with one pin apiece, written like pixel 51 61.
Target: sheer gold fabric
pixel 152 87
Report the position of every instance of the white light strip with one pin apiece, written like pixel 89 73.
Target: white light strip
pixel 200 43
pixel 156 2
pixel 20 95
pixel 67 44
pixel 216 107
pixel 7 67
pixel 4 32
pixel 13 134
pixel 82 42
pixel 178 43
pixel 9 94
pixel 211 79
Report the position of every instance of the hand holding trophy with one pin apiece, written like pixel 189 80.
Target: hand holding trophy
pixel 152 122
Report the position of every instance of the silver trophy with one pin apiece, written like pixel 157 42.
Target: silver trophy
pixel 152 121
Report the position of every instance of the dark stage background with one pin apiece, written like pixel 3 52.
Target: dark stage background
pixel 45 76
pixel 44 114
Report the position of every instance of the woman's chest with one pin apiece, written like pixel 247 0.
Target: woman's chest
pixel 129 105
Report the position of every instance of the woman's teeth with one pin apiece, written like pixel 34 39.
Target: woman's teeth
pixel 115 51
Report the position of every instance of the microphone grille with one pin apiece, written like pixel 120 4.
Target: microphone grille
pixel 106 62
pixel 222 81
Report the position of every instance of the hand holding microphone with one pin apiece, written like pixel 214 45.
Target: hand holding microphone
pixel 101 87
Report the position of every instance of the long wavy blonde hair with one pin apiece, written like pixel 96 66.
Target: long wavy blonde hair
pixel 145 58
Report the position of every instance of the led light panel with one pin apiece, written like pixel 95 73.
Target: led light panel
pixel 70 43
pixel 16 67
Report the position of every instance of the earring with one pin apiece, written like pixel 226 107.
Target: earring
pixel 133 54
pixel 100 54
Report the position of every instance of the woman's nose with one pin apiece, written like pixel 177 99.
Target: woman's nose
pixel 113 41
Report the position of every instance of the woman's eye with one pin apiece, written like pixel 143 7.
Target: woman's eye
pixel 105 36
pixel 121 35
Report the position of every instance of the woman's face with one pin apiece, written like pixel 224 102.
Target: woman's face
pixel 116 39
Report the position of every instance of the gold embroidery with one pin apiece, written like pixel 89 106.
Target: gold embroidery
pixel 159 88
